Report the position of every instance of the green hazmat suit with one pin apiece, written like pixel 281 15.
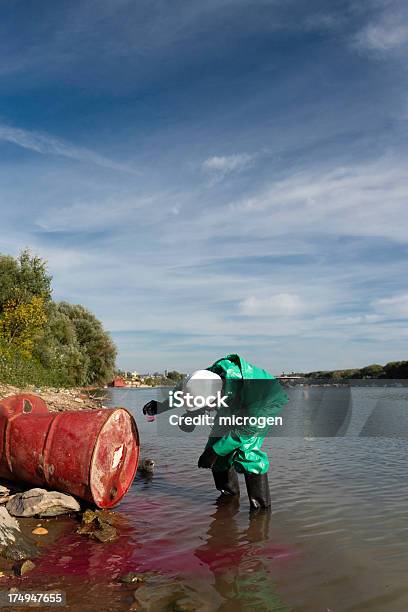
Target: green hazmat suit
pixel 251 391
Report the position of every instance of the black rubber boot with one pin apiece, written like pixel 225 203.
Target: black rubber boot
pixel 226 482
pixel 258 490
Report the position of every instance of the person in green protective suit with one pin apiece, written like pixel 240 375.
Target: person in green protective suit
pixel 250 392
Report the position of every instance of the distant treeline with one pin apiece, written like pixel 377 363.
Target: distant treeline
pixel 393 369
pixel 47 343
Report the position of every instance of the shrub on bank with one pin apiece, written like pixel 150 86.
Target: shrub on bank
pixel 20 371
pixel 44 342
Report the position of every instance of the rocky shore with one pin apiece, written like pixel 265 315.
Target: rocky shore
pixel 59 399
pixel 21 508
pixel 27 528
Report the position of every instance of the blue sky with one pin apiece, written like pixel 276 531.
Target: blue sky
pixel 213 177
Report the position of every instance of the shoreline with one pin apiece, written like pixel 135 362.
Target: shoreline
pixel 58 400
pixel 13 543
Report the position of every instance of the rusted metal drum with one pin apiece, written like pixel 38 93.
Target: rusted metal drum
pixel 92 454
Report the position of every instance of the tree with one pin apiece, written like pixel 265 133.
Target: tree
pixel 175 376
pixel 396 369
pixel 23 278
pixel 94 342
pixel 22 323
pixel 372 371
pixel 59 349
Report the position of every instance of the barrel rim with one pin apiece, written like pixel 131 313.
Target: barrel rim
pixel 135 432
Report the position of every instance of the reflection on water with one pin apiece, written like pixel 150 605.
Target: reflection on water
pixel 239 560
pixel 336 537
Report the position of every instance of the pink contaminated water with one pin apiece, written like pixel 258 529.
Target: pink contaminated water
pixel 159 538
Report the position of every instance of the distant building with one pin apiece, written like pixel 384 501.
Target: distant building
pixel 118 382
pixel 284 376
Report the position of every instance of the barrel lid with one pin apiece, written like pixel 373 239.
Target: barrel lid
pixel 114 460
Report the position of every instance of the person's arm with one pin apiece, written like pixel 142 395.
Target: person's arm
pixel 155 407
pixel 222 447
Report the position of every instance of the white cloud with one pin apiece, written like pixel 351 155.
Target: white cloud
pixel 359 319
pixel 48 145
pixel 282 304
pixel 388 32
pixel 395 306
pixel 366 199
pixel 114 211
pixel 380 37
pixel 220 166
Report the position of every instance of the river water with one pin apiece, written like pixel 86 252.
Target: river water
pixel 336 538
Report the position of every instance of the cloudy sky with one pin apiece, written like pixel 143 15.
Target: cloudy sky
pixel 213 177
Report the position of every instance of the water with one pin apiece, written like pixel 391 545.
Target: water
pixel 336 538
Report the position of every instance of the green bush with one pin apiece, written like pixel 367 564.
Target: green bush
pixel 372 371
pixel 62 345
pixel 20 371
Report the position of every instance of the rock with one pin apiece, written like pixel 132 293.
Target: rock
pixel 146 467
pixel 4 494
pixel 99 525
pixel 170 595
pixel 24 567
pixel 185 604
pixel 4 500
pixel 132 578
pixel 39 502
pixel 39 531
pixel 104 516
pixel 105 533
pixel 13 544
pixel 161 597
pixel 6 574
pixel 89 516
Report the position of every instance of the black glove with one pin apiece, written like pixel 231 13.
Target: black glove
pixel 189 428
pixel 150 408
pixel 184 427
pixel 207 459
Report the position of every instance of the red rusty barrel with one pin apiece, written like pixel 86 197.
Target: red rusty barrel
pixel 89 453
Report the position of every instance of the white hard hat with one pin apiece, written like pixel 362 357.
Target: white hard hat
pixel 203 383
